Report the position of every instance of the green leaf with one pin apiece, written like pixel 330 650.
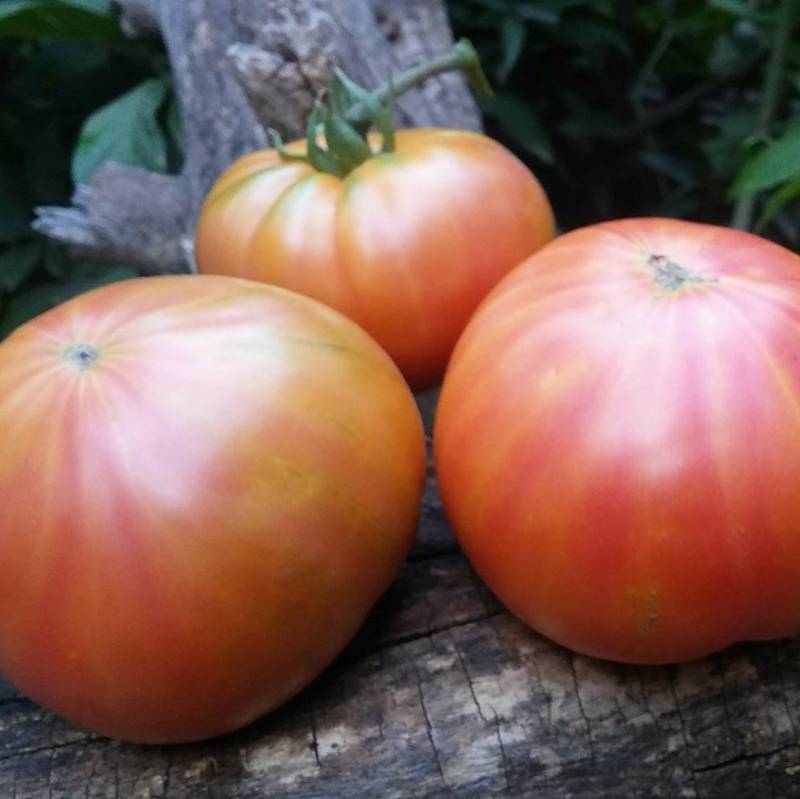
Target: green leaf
pixel 17 263
pixel 521 123
pixel 592 36
pixel 24 305
pixel 175 123
pixel 681 202
pixel 513 35
pixel 29 302
pixel 87 275
pixel 724 57
pixel 95 6
pixel 126 130
pixel 319 157
pixel 173 127
pixel 46 168
pixel 362 107
pixel 724 150
pixel 741 9
pixel 669 165
pixel 56 260
pixel 559 6
pixel 537 12
pixel 69 20
pixel 776 163
pixel 778 200
pixel 347 148
pixel 584 121
pixel 738 8
pixel 341 99
pixel 15 207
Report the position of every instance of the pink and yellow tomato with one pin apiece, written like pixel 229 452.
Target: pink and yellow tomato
pixel 205 485
pixel 407 244
pixel 618 440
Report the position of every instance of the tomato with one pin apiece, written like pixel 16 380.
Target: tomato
pixel 406 245
pixel 205 484
pixel 618 440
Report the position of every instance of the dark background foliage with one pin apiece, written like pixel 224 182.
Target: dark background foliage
pixel 671 107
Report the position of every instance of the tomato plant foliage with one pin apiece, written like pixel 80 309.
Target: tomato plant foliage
pixel 659 106
pixel 73 93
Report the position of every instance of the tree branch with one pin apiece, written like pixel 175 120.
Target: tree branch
pixel 127 215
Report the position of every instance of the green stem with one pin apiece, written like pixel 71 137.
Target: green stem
pixel 355 110
pixel 463 56
pixel 774 79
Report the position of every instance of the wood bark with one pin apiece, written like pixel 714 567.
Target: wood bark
pixel 444 694
pixel 239 65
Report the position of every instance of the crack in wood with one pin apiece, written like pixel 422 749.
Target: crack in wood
pixel 314 741
pixel 682 724
pixel 411 637
pixel 494 722
pixel 581 708
pixel 746 758
pixel 48 747
pixel 734 733
pixel 429 730
pixel 785 700
pixel 168 772
pixel 503 755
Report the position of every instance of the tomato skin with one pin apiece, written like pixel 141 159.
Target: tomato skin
pixel 407 245
pixel 195 524
pixel 620 458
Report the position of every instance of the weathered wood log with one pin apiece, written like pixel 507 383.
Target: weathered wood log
pixel 444 694
pixel 239 65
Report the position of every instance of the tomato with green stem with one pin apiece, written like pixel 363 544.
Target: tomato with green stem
pixel 404 232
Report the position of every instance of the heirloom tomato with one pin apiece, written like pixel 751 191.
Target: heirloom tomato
pixel 205 485
pixel 407 244
pixel 618 440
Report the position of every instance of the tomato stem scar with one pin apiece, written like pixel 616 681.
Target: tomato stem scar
pixel 81 354
pixel 672 276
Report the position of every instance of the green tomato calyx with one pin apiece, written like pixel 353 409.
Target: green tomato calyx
pixel 353 111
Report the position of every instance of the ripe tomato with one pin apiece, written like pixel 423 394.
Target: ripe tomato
pixel 406 245
pixel 205 484
pixel 618 440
